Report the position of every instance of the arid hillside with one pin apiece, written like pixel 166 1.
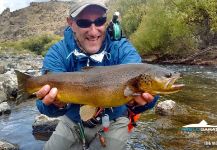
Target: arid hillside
pixel 38 18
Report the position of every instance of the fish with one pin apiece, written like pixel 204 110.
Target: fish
pixel 104 86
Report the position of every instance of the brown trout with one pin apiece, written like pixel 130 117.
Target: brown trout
pixel 105 86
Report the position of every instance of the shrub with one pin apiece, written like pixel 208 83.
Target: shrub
pixel 40 44
pixel 163 30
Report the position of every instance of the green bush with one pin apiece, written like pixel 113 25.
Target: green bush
pixel 37 44
pixel 163 30
pixel 40 44
pixel 168 27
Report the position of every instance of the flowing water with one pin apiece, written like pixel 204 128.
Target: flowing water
pixel 198 101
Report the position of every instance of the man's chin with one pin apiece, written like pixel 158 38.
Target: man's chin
pixel 92 50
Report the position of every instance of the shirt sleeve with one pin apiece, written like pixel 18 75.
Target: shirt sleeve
pixel 128 53
pixel 54 60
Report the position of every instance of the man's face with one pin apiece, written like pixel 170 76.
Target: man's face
pixel 90 38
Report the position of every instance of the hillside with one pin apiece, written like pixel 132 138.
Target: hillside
pixel 38 18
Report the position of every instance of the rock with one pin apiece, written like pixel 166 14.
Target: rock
pixel 163 123
pixel 2 79
pixel 4 145
pixel 10 86
pixel 2 69
pixel 144 137
pixel 165 108
pixel 5 108
pixel 44 126
pixel 2 96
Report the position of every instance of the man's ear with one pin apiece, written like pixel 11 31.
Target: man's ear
pixel 70 21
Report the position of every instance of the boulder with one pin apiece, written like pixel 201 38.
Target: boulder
pixel 4 145
pixel 165 108
pixel 10 85
pixel 5 108
pixel 2 69
pixel 3 97
pixel 169 108
pixel 44 126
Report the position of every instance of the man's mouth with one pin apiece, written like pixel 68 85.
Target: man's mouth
pixel 93 38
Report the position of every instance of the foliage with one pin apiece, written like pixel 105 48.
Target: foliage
pixel 131 13
pixel 37 44
pixel 202 14
pixel 163 30
pixel 40 44
pixel 169 27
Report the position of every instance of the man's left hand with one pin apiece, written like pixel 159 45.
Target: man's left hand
pixel 142 99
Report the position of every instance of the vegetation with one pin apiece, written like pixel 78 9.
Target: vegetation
pixel 37 44
pixel 174 28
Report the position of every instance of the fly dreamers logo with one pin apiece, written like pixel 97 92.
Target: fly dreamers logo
pixel 200 127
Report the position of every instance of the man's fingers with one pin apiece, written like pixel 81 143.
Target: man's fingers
pixel 50 97
pixel 43 91
pixel 144 99
pixel 148 97
pixel 140 100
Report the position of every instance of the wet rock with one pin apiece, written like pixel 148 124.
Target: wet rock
pixel 10 86
pixel 5 108
pixel 144 137
pixel 164 123
pixel 2 79
pixel 4 145
pixel 2 96
pixel 170 108
pixel 44 126
pixel 166 108
pixel 2 69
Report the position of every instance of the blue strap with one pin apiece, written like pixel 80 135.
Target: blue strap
pixel 140 109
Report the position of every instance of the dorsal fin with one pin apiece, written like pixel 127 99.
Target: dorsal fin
pixel 87 68
pixel 93 68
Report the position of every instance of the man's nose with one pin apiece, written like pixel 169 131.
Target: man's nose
pixel 93 29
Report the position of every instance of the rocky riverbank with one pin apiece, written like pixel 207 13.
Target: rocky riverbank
pixel 207 57
pixel 27 63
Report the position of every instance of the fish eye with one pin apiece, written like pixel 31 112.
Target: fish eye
pixel 169 75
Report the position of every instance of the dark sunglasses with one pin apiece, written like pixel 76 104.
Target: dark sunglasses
pixel 86 23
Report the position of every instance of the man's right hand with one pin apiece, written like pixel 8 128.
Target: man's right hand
pixel 48 96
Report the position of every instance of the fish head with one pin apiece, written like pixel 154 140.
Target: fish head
pixel 160 82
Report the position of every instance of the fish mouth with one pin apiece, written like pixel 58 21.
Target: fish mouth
pixel 171 83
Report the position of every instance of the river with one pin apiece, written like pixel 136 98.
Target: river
pixel 199 99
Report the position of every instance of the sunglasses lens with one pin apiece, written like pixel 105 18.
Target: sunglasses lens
pixel 84 23
pixel 100 21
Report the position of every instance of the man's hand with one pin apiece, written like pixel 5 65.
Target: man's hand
pixel 48 96
pixel 142 99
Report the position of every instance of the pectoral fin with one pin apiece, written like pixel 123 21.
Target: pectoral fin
pixel 87 112
pixel 128 91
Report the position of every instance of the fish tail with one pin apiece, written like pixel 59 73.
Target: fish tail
pixel 22 81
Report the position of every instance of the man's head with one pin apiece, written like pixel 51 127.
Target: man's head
pixel 87 19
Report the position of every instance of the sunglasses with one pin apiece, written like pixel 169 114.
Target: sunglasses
pixel 86 23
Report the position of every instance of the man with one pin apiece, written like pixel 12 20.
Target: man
pixel 87 43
